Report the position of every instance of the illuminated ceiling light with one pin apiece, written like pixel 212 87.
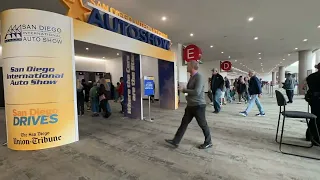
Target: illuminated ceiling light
pixel 191 34
pixel 296 48
pixel 211 46
pixel 319 26
pixel 164 18
pixel 222 52
pixel 256 38
pixel 289 54
pixel 283 59
pixel 235 60
pixel 260 58
pixel 229 57
pixel 103 57
pixel 305 40
pixel 259 53
pixel 118 54
pixel 87 49
pixel 250 19
pixel 240 63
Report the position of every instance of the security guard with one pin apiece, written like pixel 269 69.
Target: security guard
pixel 313 81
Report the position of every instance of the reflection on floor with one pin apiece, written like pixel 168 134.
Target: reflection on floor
pixel 120 148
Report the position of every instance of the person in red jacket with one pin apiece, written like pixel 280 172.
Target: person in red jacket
pixel 120 92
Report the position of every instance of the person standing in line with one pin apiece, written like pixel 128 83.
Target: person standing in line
pixel 228 90
pixel 288 85
pixel 121 93
pixel 196 107
pixel 80 98
pixel 116 93
pixel 210 95
pixel 103 101
pixel 246 92
pixel 241 89
pixel 313 98
pixel 255 93
pixel 217 83
pixel 86 89
pixel 94 99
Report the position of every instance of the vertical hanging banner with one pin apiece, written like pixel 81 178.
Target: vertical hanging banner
pixel 39 79
pixel 132 85
pixel 168 97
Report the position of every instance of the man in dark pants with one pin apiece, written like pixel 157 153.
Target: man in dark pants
pixel 196 107
pixel 217 84
pixel 288 85
pixel 313 81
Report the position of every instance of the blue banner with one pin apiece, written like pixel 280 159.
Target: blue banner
pixel 166 85
pixel 148 85
pixel 132 85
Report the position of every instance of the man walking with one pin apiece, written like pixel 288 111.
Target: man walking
pixel 288 85
pixel 255 92
pixel 217 83
pixel 196 107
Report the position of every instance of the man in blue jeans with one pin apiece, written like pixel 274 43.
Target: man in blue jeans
pixel 255 92
pixel 217 84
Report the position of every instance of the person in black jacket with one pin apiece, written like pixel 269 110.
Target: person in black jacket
pixel 255 92
pixel 313 99
pixel 217 84
pixel 227 84
pixel 241 89
pixel 103 100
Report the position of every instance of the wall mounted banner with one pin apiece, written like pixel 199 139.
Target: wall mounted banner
pixel 132 85
pixel 39 79
pixel 148 85
pixel 168 97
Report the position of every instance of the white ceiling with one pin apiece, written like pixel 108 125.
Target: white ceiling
pixel 281 26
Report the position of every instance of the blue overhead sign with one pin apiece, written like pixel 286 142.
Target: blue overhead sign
pixel 148 85
pixel 119 26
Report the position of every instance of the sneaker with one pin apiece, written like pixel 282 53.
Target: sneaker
pixel 261 115
pixel 172 143
pixel 205 146
pixel 244 114
pixel 4 144
pixel 238 102
pixel 215 112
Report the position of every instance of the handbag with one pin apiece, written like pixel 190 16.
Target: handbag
pixel 102 97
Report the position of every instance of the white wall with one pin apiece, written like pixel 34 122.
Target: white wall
pixel 149 67
pixel 113 66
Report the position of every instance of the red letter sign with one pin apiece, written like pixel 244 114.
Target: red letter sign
pixel 192 53
pixel 225 65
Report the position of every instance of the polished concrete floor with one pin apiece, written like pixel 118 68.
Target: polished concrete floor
pixel 120 148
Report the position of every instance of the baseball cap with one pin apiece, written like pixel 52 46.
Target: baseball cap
pixel 317 66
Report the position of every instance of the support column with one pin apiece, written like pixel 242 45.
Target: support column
pixel 182 75
pixel 305 64
pixel 274 78
pixel 317 54
pixel 281 76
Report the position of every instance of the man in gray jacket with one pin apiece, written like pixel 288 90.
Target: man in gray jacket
pixel 196 107
pixel 288 85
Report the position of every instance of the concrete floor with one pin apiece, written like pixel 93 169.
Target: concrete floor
pixel 120 148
